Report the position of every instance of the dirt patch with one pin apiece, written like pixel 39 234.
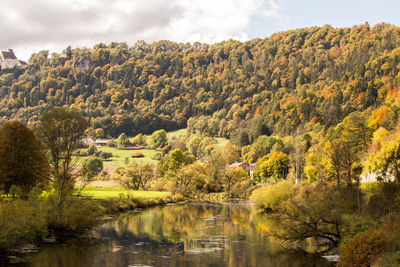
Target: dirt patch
pixel 109 169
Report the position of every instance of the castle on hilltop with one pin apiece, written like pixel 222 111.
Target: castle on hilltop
pixel 8 60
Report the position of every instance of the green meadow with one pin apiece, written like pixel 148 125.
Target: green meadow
pixel 107 192
pixel 119 157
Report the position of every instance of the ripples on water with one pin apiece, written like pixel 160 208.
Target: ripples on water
pixel 192 235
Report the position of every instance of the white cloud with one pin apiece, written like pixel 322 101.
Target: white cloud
pixel 33 25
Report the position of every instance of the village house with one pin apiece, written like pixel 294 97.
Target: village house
pixel 90 141
pixel 101 142
pixel 8 60
pixel 244 166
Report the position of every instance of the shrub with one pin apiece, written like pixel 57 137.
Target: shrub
pixel 364 249
pixel 137 155
pixel 157 156
pixel 92 149
pixel 77 216
pixel 138 140
pixel 158 139
pixel 271 196
pixel 20 223
pixel 387 259
pixel 355 224
pixel 105 155
pixel 111 143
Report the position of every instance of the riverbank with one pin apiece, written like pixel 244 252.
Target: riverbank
pixel 189 234
pixel 102 200
pixel 30 222
pixel 360 223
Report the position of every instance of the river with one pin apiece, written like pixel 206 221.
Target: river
pixel 190 235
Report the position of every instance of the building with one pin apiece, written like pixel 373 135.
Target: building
pixel 8 60
pixel 88 141
pixel 244 166
pixel 101 142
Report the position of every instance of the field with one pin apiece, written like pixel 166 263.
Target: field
pixel 106 192
pixel 176 134
pixel 119 157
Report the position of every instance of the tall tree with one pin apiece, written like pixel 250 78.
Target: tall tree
pixel 334 155
pixel 61 130
pixel 23 160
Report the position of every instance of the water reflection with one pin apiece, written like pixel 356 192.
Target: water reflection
pixel 178 235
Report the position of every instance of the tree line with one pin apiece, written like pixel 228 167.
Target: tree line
pixel 315 75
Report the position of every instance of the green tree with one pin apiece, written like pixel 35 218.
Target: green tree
pixel 23 160
pixel 262 146
pixel 386 162
pixel 194 144
pixel 333 154
pixel 186 180
pixel 272 167
pixel 123 140
pixel 232 177
pixel 158 139
pixel 99 132
pixel 176 159
pixel 134 177
pixel 91 167
pixel 139 140
pixel 61 130
pixel 92 149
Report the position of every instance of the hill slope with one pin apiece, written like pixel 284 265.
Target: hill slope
pixel 315 75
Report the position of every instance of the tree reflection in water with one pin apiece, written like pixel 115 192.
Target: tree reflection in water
pixel 194 235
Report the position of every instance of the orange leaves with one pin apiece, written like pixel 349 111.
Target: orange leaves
pixel 378 116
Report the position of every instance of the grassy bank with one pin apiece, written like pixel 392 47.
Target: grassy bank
pixel 117 199
pixel 33 219
pixel 108 192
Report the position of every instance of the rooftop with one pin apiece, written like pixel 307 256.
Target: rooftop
pixel 8 54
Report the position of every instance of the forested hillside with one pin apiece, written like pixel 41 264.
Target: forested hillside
pixel 313 75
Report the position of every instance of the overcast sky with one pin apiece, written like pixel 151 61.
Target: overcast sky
pixel 29 26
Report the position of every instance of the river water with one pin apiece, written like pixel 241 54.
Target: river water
pixel 192 235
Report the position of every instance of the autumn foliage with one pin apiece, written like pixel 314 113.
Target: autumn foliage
pixel 364 249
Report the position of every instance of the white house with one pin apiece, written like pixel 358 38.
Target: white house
pixel 8 60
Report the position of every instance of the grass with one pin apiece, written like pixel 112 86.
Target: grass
pixel 107 192
pixel 172 135
pixel 119 155
pixel 220 141
pixel 176 134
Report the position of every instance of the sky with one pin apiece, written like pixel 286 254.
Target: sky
pixel 28 26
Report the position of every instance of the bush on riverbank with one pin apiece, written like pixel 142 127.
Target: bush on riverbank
pixel 363 223
pixel 364 249
pixel 271 196
pixel 21 222
pixel 306 211
pixel 78 216
pixel 377 246
pixel 29 220
pixel 128 202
